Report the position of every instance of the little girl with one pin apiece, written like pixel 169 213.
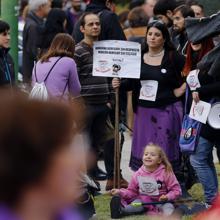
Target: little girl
pixel 153 182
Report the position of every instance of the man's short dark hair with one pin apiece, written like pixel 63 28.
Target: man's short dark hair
pixel 137 17
pixel 82 21
pixel 185 10
pixel 135 3
pixel 4 26
pixel 101 1
pixel 197 4
pixel 162 6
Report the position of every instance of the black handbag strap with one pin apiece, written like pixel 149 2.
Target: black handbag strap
pixel 186 98
pixel 35 70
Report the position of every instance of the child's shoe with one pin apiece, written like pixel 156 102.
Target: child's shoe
pixel 115 207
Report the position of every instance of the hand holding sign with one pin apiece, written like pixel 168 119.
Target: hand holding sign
pixel 116 83
pixel 193 80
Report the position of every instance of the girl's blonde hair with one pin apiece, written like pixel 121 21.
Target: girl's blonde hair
pixel 163 156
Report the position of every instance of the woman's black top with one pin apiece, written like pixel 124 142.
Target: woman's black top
pixel 168 75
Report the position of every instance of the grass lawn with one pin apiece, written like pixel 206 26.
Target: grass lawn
pixel 102 203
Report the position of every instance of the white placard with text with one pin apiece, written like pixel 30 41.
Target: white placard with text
pixel 200 111
pixel 112 58
pixel 148 90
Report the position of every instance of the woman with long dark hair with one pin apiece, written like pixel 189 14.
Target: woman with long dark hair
pixel 156 96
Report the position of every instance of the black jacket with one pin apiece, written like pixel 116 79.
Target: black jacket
pixel 31 33
pixel 7 75
pixel 180 41
pixel 110 26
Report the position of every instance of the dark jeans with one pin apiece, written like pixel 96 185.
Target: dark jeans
pixel 97 130
pixel 109 158
pixel 96 121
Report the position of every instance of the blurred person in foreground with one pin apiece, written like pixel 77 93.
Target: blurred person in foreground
pixel 7 75
pixel 40 165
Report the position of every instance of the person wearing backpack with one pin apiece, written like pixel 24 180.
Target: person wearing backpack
pixel 55 74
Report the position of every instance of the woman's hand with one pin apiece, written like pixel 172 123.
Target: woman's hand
pixel 163 198
pixel 178 92
pixel 195 96
pixel 115 192
pixel 116 83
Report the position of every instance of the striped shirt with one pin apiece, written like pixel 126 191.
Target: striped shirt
pixel 95 90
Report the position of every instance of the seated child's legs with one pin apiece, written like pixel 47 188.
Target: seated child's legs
pixel 166 209
pixel 129 209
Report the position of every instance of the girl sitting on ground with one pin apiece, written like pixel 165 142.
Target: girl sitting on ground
pixel 153 182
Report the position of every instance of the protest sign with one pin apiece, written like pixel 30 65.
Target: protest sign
pixel 112 58
pixel 199 111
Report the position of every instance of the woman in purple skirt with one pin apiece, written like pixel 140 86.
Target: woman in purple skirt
pixel 157 96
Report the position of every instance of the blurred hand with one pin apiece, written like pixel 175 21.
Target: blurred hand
pixel 163 198
pixel 195 96
pixel 178 92
pixel 116 83
pixel 115 192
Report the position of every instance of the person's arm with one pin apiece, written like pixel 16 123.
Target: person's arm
pixel 178 63
pixel 173 187
pixel 32 41
pixel 74 84
pixel 133 189
pixel 210 89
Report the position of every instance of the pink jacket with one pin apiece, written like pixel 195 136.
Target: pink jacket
pixel 149 186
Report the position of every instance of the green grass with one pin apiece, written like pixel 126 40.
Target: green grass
pixel 103 212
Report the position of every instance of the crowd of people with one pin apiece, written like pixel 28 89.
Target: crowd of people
pixel 50 150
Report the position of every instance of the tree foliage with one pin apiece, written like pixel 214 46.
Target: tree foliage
pixel 211 6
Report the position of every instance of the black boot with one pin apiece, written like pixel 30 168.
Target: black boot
pixel 115 207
